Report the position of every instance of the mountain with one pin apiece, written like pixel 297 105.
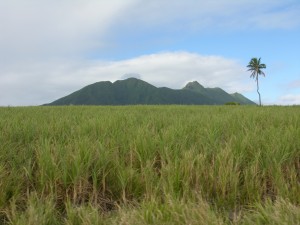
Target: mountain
pixel 241 98
pixel 133 91
pixel 217 94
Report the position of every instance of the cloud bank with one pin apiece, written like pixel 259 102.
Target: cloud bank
pixel 221 14
pixel 43 29
pixel 294 84
pixel 41 83
pixel 46 29
pixel 45 46
pixel 290 99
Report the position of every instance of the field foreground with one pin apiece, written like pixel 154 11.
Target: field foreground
pixel 150 165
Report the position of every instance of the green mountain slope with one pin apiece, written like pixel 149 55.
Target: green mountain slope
pixel 218 95
pixel 242 99
pixel 133 91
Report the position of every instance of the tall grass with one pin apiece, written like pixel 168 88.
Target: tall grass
pixel 150 165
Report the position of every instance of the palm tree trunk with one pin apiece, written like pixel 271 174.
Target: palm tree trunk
pixel 258 90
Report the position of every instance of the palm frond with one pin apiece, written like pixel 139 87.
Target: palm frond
pixel 262 66
pixel 261 73
pixel 255 67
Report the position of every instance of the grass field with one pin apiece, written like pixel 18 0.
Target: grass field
pixel 150 165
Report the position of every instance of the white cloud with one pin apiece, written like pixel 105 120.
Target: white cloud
pixel 131 75
pixel 42 28
pixel 43 43
pixel 60 28
pixel 202 15
pixel 294 84
pixel 290 99
pixel 42 83
pixel 286 18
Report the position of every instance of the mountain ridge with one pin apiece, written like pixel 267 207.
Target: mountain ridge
pixel 133 91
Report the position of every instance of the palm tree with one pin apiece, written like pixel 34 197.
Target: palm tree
pixel 256 69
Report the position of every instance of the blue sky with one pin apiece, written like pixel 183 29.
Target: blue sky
pixel 50 48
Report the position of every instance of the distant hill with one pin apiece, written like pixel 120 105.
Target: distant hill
pixel 217 94
pixel 241 98
pixel 133 91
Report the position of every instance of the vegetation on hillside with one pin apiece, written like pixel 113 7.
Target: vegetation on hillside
pixel 133 91
pixel 150 165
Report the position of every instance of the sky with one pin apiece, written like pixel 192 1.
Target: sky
pixel 51 48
